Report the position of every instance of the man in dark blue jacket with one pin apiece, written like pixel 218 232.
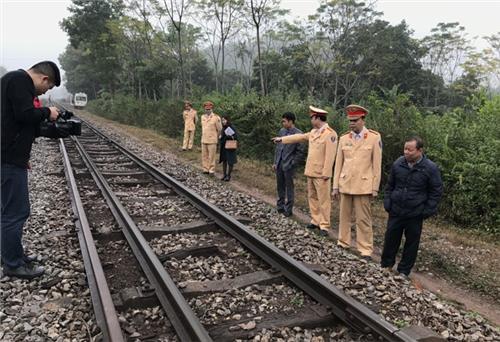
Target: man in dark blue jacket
pixel 286 158
pixel 412 194
pixel 19 122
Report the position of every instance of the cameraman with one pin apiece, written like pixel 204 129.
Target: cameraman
pixel 20 120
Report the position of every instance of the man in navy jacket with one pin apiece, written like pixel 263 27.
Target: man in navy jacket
pixel 412 194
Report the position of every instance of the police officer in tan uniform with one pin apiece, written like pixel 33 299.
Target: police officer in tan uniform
pixel 190 119
pixel 357 179
pixel 211 128
pixel 319 167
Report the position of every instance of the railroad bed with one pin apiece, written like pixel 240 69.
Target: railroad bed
pixel 137 228
pixel 219 288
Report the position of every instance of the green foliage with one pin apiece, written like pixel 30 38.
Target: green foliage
pixel 93 50
pixel 400 323
pixel 465 143
pixel 297 300
pixel 396 118
pixel 162 116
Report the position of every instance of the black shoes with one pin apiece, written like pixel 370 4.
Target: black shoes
pixel 323 232
pixel 405 276
pixel 284 212
pixel 226 178
pixel 28 259
pixel 28 271
pixel 312 226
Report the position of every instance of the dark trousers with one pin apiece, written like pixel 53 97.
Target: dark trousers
pixel 396 226
pixel 15 212
pixel 286 190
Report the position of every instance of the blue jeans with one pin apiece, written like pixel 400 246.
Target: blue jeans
pixel 15 212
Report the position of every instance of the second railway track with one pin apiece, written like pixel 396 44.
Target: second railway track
pixel 148 240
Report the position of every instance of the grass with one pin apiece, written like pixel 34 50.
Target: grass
pixel 400 323
pixel 298 300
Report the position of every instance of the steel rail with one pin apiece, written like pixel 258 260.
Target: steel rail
pixel 104 309
pixel 185 322
pixel 346 308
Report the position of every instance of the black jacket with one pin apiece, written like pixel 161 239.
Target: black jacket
pixel 228 156
pixel 412 192
pixel 20 119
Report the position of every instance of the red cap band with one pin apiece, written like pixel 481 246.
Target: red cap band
pixel 356 113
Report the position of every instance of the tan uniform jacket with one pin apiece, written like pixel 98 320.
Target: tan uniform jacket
pixel 321 152
pixel 211 128
pixel 190 119
pixel 359 164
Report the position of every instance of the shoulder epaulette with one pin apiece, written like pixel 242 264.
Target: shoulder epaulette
pixel 346 133
pixel 374 132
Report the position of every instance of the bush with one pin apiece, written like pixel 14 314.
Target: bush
pixel 466 146
pixel 464 143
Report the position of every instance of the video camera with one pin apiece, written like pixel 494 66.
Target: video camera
pixel 64 126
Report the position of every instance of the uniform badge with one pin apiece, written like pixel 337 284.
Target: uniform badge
pixel 380 144
pixel 332 139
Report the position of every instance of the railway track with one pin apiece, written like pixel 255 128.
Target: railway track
pixel 131 219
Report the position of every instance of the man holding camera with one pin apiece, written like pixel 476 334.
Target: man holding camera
pixel 20 121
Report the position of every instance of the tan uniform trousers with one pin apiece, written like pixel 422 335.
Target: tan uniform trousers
pixel 319 196
pixel 208 154
pixel 188 139
pixel 363 214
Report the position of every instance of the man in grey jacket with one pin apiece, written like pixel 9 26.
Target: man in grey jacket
pixel 286 158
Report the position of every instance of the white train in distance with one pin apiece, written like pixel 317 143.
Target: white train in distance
pixel 79 100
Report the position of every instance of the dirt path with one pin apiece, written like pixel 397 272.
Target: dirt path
pixel 251 178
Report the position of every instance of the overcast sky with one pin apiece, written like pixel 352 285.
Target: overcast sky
pixel 30 31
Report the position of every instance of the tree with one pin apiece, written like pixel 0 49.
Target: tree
pixel 337 26
pixel 77 67
pixel 445 50
pixel 175 10
pixel 227 14
pixel 260 12
pixel 89 31
pixel 243 56
pixel 494 54
pixel 389 57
